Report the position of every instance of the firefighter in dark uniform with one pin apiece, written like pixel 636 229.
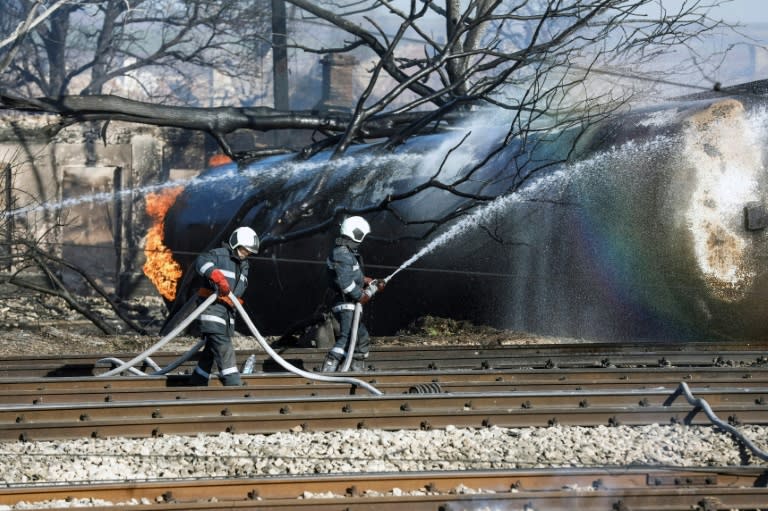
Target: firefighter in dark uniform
pixel 348 282
pixel 226 269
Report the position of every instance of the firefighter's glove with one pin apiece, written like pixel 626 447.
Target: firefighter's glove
pixel 221 283
pixel 365 297
pixel 380 285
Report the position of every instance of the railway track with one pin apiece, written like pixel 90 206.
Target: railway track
pixel 427 389
pixel 253 409
pixel 580 355
pixel 114 389
pixel 635 489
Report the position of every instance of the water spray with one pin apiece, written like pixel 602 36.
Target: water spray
pixel 373 287
pixel 455 230
pixel 258 174
pixel 484 212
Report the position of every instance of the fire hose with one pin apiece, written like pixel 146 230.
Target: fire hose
pixel 352 338
pixel 286 365
pixel 128 366
pixel 371 289
pixel 162 342
pixel 701 404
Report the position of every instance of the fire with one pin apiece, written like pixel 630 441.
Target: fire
pixel 219 159
pixel 160 267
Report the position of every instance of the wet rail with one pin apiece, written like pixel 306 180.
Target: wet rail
pixel 563 356
pixel 515 409
pixel 117 389
pixel 648 488
pixel 59 408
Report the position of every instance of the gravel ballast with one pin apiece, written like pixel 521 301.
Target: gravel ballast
pixel 95 460
pixel 241 455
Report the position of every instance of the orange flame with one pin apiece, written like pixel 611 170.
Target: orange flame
pixel 219 159
pixel 160 267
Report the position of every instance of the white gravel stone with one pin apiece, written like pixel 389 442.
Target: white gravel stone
pixel 239 455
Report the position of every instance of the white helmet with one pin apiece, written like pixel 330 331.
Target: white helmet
pixel 244 237
pixel 355 228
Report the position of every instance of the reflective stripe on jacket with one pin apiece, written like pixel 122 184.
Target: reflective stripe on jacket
pixel 222 258
pixel 218 317
pixel 345 274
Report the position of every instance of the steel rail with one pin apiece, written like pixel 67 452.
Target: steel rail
pixel 657 488
pixel 149 390
pixel 561 356
pixel 603 396
pixel 505 357
pixel 610 377
pixel 449 402
pixel 65 390
pixel 514 409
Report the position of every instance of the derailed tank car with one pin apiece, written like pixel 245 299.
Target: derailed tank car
pixel 647 227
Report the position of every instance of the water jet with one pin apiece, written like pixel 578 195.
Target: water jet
pixel 635 229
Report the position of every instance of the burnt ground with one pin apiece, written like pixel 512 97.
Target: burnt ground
pixel 36 324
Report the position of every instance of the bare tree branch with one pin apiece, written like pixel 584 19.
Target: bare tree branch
pixel 33 19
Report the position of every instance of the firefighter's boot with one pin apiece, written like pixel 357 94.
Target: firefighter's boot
pixel 358 365
pixel 330 364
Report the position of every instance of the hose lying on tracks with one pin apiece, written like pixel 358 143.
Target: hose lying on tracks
pixel 128 366
pixel 116 361
pixel 702 404
pixel 293 369
pixel 158 371
pixel 162 342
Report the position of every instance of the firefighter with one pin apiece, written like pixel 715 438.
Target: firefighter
pixel 225 269
pixel 348 285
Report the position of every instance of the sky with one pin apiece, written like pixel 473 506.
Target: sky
pixel 742 11
pixel 746 46
pixel 754 11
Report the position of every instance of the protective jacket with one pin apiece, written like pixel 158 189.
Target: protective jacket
pixel 219 318
pixel 345 274
pixel 346 279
